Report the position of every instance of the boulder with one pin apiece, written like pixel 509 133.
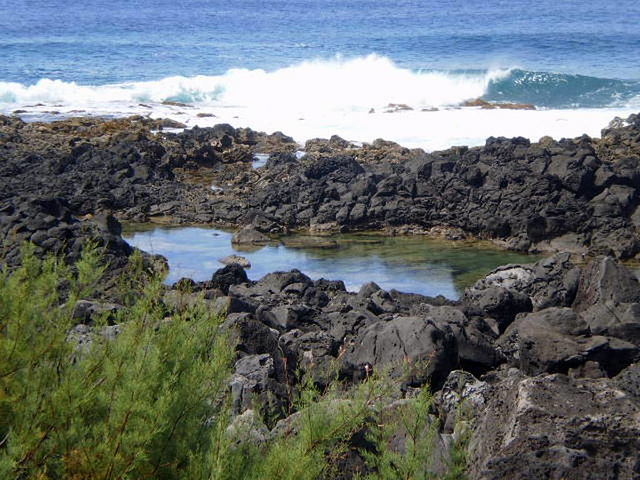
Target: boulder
pixel 551 426
pixel 555 340
pixel 254 384
pixel 230 275
pixel 474 338
pixel 608 299
pixel 499 303
pixel 249 235
pixel 413 347
pixel 460 393
pixel 551 282
pixel 235 260
pixel 313 353
pixel 606 281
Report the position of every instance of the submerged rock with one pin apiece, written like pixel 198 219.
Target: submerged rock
pixel 235 260
pixel 249 235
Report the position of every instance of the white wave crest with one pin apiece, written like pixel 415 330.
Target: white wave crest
pixel 317 99
pixel 339 84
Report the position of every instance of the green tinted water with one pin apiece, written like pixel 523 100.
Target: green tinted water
pixel 414 264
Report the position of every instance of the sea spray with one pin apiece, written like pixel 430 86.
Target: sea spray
pixel 358 98
pixel 356 84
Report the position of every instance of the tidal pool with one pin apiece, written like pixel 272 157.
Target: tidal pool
pixel 413 264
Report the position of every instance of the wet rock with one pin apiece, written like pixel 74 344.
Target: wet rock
pixel 235 260
pixel 479 102
pixel 307 241
pixel 249 235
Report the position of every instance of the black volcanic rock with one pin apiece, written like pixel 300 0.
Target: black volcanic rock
pixel 48 224
pixel 552 426
pixel 227 276
pixel 555 345
pixel 577 194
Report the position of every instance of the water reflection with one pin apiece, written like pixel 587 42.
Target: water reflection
pixel 260 160
pixel 409 264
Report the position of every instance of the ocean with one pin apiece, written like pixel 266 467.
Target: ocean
pixel 364 69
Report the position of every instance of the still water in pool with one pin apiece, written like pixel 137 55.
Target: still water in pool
pixel 413 264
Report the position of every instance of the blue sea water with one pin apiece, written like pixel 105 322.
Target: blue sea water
pixel 211 53
pixel 112 41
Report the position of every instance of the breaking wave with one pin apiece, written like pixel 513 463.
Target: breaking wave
pixel 337 85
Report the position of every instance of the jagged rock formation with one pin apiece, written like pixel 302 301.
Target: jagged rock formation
pixel 550 351
pixel 568 195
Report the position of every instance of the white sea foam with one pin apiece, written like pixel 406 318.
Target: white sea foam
pixel 321 85
pixel 348 97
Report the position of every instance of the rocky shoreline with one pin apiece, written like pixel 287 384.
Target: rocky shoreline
pixel 543 357
pixel 576 195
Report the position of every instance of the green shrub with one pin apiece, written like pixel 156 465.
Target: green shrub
pixel 142 405
pixel 414 432
pixel 153 402
pixel 321 433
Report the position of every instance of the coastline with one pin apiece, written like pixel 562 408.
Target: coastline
pixel 576 195
pixel 542 356
pixel 435 130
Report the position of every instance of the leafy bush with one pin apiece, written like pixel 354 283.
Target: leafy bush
pixel 141 405
pixel 411 422
pixel 148 397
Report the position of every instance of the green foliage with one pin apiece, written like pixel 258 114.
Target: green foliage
pixel 88 273
pixel 409 422
pixel 131 284
pixel 322 430
pixel 142 405
pixel 153 400
pixel 458 454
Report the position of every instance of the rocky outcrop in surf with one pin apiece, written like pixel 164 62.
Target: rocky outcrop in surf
pixel 577 195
